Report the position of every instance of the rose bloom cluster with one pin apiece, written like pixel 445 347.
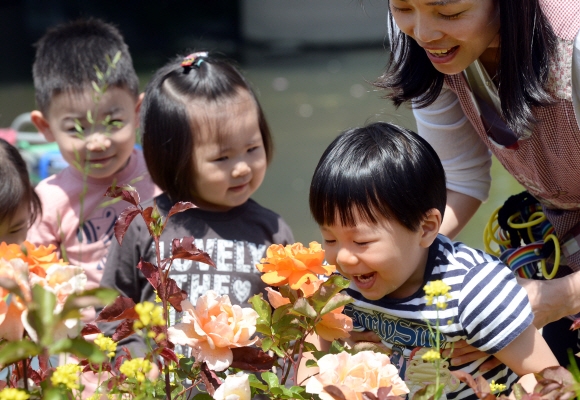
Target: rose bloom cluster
pixel 365 371
pixel 26 266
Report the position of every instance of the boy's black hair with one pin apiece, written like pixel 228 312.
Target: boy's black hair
pixel 170 128
pixel 15 188
pixel 380 170
pixel 527 45
pixel 66 57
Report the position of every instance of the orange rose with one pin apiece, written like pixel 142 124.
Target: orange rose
pixel 334 325
pixel 11 306
pixel 295 265
pixel 38 258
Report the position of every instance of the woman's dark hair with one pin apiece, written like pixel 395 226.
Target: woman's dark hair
pixel 527 44
pixel 15 188
pixel 378 170
pixel 167 122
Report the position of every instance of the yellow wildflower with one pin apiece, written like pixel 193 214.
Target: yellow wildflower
pixel 431 356
pixel 13 394
pixel 67 375
pixel 497 387
pixel 149 315
pixel 136 368
pixel 106 344
pixel 437 292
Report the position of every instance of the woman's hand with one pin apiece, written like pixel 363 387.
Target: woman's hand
pixel 554 299
pixel 463 353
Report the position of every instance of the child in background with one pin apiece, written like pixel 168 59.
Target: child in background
pixel 205 140
pixel 378 195
pixel 63 70
pixel 19 203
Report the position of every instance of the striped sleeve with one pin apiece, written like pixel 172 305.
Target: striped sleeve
pixel 493 308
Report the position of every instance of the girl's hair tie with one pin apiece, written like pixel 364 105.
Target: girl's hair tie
pixel 194 60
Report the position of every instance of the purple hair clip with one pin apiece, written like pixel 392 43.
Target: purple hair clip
pixel 194 59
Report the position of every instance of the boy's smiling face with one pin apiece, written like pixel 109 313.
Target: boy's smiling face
pixel 105 148
pixel 383 259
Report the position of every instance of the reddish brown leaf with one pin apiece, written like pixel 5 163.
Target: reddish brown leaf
pixel 575 325
pixel 384 393
pixel 122 308
pixel 124 330
pixel 90 329
pixel 34 375
pixel 123 222
pixel 369 396
pixel 180 207
pixel 175 295
pixel 557 373
pixel 251 359
pixel 169 355
pixel 126 192
pixel 210 379
pixel 185 249
pixel 164 343
pixel 151 273
pixel 335 392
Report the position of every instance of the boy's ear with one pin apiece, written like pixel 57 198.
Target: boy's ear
pixel 42 125
pixel 138 107
pixel 430 227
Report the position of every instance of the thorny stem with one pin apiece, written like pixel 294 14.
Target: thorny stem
pixel 165 314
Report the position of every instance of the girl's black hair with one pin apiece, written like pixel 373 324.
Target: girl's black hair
pixel 527 44
pixel 380 170
pixel 168 127
pixel 15 188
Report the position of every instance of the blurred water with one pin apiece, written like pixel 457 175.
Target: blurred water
pixel 308 99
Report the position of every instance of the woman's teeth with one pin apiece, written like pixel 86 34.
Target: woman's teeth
pixel 365 277
pixel 440 53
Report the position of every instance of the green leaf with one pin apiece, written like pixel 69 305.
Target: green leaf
pixel 335 302
pixel 327 291
pixel 83 349
pixel 336 347
pixel 278 351
pixel 41 314
pixel 19 350
pixel 53 394
pixel 308 347
pixel 311 363
pixel 78 127
pixel 96 87
pixel 256 383
pixel 94 297
pixel 280 313
pixel 263 328
pixel 302 307
pixel 90 119
pixel 290 334
pixel 11 286
pixel 117 58
pixel 271 379
pixel 267 343
pixel 262 307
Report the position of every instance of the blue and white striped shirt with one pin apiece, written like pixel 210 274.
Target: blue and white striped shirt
pixel 487 308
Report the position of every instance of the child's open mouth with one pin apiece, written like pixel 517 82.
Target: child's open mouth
pixel 364 281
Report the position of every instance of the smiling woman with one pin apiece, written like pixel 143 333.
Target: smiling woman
pixel 499 75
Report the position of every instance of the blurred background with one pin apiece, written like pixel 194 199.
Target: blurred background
pixel 312 63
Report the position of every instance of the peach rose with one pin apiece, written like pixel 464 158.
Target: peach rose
pixel 365 371
pixel 11 306
pixel 213 327
pixel 334 325
pixel 294 264
pixel 62 280
pixel 235 387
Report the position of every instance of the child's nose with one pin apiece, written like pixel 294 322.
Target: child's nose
pixel 97 142
pixel 345 258
pixel 240 169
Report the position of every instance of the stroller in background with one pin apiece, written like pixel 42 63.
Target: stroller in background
pixel 43 158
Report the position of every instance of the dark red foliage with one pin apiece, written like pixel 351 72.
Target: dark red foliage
pixel 180 207
pixel 124 329
pixel 122 308
pixel 186 249
pixel 168 354
pixel 335 392
pixel 210 379
pixel 90 329
pixel 251 359
pixel 123 222
pixel 126 192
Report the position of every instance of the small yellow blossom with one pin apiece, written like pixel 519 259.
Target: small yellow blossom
pixel 149 315
pixel 431 356
pixel 437 292
pixel 497 387
pixel 157 298
pixel 106 344
pixel 136 368
pixel 67 375
pixel 13 394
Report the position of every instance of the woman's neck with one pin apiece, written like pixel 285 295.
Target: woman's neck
pixel 490 61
